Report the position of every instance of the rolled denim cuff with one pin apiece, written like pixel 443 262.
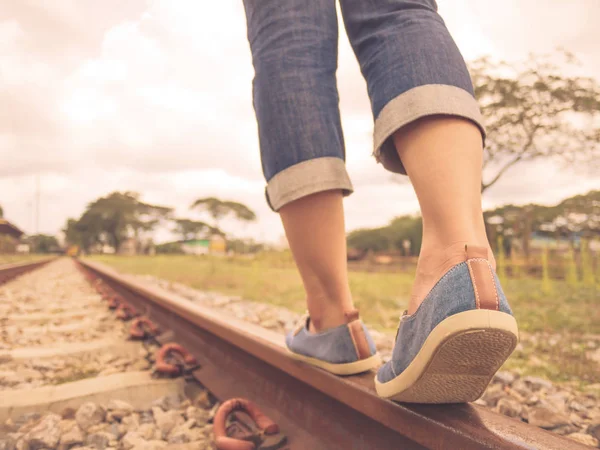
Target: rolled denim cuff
pixel 422 101
pixel 305 178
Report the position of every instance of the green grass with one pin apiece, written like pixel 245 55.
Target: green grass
pixel 567 312
pixel 11 259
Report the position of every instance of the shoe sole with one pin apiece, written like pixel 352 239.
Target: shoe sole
pixel 457 361
pixel 353 368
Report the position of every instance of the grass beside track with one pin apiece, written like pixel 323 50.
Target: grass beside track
pixel 559 330
pixel 12 259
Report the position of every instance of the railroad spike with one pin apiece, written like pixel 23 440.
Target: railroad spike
pixel 126 312
pixel 142 327
pixel 171 351
pixel 265 428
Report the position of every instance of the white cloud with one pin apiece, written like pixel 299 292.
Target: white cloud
pixel 155 97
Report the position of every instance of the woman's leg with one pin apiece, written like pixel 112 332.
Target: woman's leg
pixel 427 124
pixel 459 328
pixel 314 226
pixel 294 51
pixel 443 158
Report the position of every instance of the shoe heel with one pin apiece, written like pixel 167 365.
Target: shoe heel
pixel 457 361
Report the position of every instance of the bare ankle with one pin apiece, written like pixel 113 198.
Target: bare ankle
pixel 326 318
pixel 434 262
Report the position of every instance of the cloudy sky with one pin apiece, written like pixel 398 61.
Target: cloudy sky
pixel 155 97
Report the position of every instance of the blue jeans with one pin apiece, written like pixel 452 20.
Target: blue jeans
pixel 409 60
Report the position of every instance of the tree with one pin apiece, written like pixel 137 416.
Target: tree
pixel 218 209
pixel 533 110
pixel 390 237
pixel 189 229
pixel 1 212
pixel 122 214
pixel 112 219
pixel 42 243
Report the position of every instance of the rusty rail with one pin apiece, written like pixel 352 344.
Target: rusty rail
pixel 315 409
pixel 10 271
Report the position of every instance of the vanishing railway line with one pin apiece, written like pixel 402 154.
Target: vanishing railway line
pixel 314 409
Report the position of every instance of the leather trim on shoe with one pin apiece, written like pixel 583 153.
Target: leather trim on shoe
pixel 357 333
pixel 482 276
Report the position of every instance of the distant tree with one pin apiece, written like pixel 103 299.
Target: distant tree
pixel 535 110
pixel 390 237
pixel 406 228
pixel 375 239
pixel 112 219
pixel 189 229
pixel 43 243
pixel 218 209
pixel 170 248
pixel 244 246
pixel 1 212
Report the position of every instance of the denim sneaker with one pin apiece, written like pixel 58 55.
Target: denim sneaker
pixel 451 347
pixel 344 350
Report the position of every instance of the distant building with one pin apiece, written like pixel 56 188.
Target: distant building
pixel 215 244
pixel 9 237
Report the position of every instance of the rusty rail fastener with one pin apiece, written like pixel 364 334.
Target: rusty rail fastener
pixel 224 442
pixel 126 312
pixel 113 302
pixel 173 351
pixel 142 327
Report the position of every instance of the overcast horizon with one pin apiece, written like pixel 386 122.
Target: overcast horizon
pixel 155 97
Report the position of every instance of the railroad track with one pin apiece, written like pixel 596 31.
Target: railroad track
pixel 315 409
pixel 232 359
pixel 10 271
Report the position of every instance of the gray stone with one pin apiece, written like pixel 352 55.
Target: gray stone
pixel 504 377
pixel 119 409
pixel 537 383
pixel 9 378
pixel 11 440
pixel 152 445
pixel 196 445
pixel 99 440
pixel 71 434
pixel 45 434
pixel 509 407
pixel 89 414
pixel 546 418
pixel 166 421
pixel 522 388
pixel 594 355
pixel 131 422
pixel 203 400
pixel 199 415
pixel 117 430
pixel 594 429
pixel 492 394
pixel 213 412
pixel 167 402
pixel 148 431
pixel 131 440
pixel 584 439
pixel 146 417
pixel 29 374
pixel 563 430
pixel 115 405
pixel 27 418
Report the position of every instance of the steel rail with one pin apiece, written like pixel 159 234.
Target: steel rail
pixel 10 271
pixel 315 409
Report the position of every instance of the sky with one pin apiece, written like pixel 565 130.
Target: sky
pixel 155 97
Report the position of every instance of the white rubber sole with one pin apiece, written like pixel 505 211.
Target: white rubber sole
pixel 353 368
pixel 457 361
